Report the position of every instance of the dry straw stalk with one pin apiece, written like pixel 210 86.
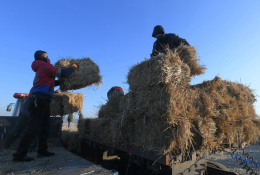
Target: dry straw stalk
pixel 87 74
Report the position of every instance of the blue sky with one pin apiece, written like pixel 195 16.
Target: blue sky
pixel 117 35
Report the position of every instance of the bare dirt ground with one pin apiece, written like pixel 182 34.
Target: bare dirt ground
pixel 73 126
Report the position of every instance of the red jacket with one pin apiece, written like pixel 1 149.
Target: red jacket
pixel 44 80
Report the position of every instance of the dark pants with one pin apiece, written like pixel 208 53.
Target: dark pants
pixel 16 131
pixel 39 124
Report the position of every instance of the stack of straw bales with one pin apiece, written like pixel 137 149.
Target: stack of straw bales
pixel 71 139
pixel 87 74
pixel 65 103
pixel 162 113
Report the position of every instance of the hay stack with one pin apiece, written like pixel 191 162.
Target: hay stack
pixel 158 71
pixel 87 74
pixel 163 114
pixel 111 108
pixel 70 138
pixel 189 56
pixel 65 103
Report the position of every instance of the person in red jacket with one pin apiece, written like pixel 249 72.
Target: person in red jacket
pixel 39 106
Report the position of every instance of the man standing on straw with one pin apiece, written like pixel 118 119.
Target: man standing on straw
pixel 39 106
pixel 165 41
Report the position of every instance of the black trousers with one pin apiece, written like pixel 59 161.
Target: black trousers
pixel 39 124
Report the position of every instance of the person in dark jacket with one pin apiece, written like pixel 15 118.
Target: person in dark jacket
pixel 81 116
pixel 20 125
pixel 39 106
pixel 70 119
pixel 165 41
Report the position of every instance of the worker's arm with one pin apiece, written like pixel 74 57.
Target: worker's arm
pixel 176 40
pixel 66 72
pixel 155 52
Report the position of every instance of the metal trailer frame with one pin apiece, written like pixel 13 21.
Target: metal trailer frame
pixel 192 164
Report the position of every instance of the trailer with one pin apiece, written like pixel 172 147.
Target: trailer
pixel 149 162
pixel 114 159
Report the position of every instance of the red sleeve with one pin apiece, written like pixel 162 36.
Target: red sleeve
pixel 51 70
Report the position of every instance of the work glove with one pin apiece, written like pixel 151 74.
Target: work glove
pixel 74 66
pixel 57 91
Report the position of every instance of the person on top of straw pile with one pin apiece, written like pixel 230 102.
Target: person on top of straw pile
pixel 113 91
pixel 39 106
pixel 70 119
pixel 165 41
pixel 20 125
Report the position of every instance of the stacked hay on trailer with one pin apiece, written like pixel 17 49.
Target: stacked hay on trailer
pixel 65 103
pixel 163 113
pixel 87 74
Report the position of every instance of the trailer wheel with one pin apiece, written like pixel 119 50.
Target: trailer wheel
pixel 215 168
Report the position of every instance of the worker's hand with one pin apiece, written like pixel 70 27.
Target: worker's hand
pixel 74 66
pixel 57 91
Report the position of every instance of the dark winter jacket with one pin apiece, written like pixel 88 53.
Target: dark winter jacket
pixel 70 118
pixel 170 41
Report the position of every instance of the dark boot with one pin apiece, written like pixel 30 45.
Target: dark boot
pixel 45 154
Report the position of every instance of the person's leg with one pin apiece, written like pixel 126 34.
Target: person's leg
pixel 43 137
pixel 44 133
pixel 33 146
pixel 16 131
pixel 68 124
pixel 36 118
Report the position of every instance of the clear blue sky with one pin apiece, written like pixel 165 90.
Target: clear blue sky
pixel 117 35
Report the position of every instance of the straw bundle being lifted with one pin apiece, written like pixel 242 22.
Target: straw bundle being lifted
pixel 87 74
pixel 65 103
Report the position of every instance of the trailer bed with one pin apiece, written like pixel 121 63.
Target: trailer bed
pixel 64 162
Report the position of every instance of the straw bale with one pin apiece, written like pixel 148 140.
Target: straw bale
pixel 65 103
pixel 207 128
pixel 71 139
pixel 159 70
pixel 188 55
pixel 87 74
pixel 111 108
pixel 163 114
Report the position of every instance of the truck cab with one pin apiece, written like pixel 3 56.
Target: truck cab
pixel 20 99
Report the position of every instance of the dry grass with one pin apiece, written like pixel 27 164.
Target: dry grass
pixel 111 108
pixel 164 114
pixel 71 139
pixel 87 74
pixel 65 103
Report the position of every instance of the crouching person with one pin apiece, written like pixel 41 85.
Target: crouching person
pixel 39 106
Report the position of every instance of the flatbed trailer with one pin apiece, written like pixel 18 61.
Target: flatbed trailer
pixel 63 163
pixel 192 164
